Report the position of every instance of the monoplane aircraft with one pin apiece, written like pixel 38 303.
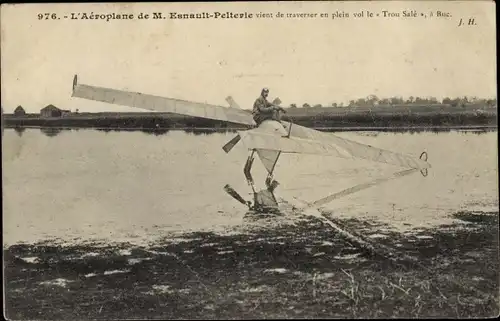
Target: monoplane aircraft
pixel 268 140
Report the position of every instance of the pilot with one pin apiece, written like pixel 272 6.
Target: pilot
pixel 264 110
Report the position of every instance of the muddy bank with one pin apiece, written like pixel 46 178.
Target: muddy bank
pixel 297 270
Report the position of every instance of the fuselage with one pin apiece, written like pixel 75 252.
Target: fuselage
pixel 273 127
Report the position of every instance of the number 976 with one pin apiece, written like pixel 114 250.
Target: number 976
pixel 47 16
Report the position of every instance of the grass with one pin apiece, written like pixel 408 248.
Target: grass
pixel 296 270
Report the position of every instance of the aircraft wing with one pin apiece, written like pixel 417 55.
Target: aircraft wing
pixel 162 104
pixel 305 140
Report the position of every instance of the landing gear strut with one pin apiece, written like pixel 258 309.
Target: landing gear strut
pixel 248 168
pixel 264 200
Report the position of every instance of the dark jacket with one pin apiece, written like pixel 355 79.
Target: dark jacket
pixel 262 110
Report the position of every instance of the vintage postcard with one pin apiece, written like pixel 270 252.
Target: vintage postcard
pixel 249 160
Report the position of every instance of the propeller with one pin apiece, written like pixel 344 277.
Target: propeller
pixel 235 195
pixel 231 144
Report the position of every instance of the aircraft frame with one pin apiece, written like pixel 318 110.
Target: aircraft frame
pixel 269 140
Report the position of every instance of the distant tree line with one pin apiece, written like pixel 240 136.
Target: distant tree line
pixel 373 101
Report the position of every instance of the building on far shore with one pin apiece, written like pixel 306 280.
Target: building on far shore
pixel 53 111
pixel 19 111
pixel 50 111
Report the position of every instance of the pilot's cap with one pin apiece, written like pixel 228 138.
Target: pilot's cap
pixel 265 90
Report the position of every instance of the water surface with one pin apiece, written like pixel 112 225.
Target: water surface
pixel 135 187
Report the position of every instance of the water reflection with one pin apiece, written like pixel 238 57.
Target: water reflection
pixel 476 132
pixel 54 131
pixel 203 131
pixel 51 131
pixel 156 131
pixel 106 130
pixel 411 130
pixel 88 185
pixel 20 130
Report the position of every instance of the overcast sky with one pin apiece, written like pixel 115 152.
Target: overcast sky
pixel 300 60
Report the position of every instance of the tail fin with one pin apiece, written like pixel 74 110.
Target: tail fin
pixel 232 103
pixel 75 82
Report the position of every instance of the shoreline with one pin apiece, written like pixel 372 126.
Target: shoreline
pixel 353 123
pixel 326 129
pixel 330 119
pixel 54 131
pixel 299 270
